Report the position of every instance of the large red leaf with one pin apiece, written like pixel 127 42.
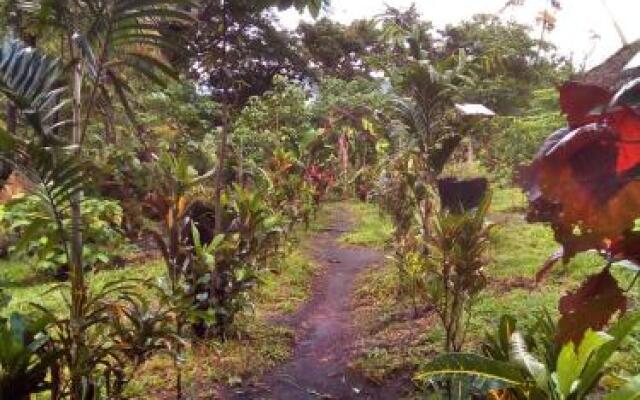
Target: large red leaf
pixel 590 307
pixel 579 101
pixel 584 182
pixel 626 124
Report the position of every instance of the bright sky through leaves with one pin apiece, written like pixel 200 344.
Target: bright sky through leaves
pixel 577 23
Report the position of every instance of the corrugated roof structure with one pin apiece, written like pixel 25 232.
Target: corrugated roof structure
pixel 470 109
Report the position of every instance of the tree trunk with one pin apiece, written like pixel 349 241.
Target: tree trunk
pixel 14 25
pixel 78 287
pixel 12 118
pixel 222 156
pixel 222 150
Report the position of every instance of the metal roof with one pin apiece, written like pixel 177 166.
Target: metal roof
pixel 474 109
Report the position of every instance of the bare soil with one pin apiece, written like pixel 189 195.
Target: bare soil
pixel 325 334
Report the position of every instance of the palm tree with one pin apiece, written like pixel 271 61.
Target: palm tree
pixel 101 42
pixel 427 136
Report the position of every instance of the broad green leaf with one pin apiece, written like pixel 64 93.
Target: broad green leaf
pixel 593 370
pixel 489 374
pixel 567 369
pixel 571 363
pixel 591 342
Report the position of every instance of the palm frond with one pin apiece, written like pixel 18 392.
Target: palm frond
pixel 32 80
pixel 486 374
pixel 56 175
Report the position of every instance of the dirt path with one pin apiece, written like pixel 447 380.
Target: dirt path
pixel 324 329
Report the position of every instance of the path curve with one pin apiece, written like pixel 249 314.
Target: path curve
pixel 324 328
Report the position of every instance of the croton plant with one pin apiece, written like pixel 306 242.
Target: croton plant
pixel 584 183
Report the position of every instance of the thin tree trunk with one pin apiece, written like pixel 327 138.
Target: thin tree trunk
pixel 78 287
pixel 222 159
pixel 14 22
pixel 222 149
pixel 12 117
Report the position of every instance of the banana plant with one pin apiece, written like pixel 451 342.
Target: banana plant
pixel 509 368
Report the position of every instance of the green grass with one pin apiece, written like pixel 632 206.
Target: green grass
pixel 507 200
pixel 16 283
pixel 370 226
pixel 520 249
pixel 259 345
pixel 396 342
pixel 283 292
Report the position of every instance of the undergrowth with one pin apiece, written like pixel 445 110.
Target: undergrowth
pixel 259 345
pixel 396 343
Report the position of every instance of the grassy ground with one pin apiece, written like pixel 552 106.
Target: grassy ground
pixel 25 286
pixel 397 343
pixel 259 345
pixel 373 228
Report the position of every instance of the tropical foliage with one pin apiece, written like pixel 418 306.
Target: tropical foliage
pixel 510 369
pixel 202 137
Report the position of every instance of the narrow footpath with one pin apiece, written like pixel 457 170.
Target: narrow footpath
pixel 325 334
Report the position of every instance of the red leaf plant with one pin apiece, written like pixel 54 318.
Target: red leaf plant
pixel 584 183
pixel 584 179
pixel 321 179
pixel 589 307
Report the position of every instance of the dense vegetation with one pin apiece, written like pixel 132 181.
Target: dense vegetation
pixel 164 163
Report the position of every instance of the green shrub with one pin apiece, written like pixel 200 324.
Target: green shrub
pixel 515 139
pixel 36 235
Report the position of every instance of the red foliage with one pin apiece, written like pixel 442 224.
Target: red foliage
pixel 584 179
pixel 585 182
pixel 590 307
pixel 579 102
pixel 321 180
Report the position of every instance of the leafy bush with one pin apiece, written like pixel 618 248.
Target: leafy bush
pixel 224 270
pixel 37 233
pixel 279 119
pixel 455 269
pixel 122 329
pixel 531 365
pixel 514 140
pixel 28 361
